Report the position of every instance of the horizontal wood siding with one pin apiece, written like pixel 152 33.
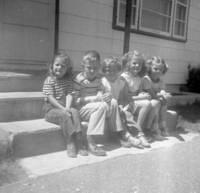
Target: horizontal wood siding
pixel 87 24
pixel 26 32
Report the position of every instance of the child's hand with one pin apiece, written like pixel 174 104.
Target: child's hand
pixel 75 94
pixel 165 94
pixel 145 95
pixel 162 100
pixel 68 111
pixel 107 97
pixel 86 81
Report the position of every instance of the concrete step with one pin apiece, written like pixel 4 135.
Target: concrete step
pixel 183 98
pixel 15 106
pixel 34 137
pixel 21 81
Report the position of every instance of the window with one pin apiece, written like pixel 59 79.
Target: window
pixel 163 18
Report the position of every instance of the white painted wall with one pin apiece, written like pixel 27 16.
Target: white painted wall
pixel 26 33
pixel 87 24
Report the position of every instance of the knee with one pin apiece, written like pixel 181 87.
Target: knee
pixel 103 106
pixel 156 104
pixel 64 116
pixel 147 104
pixel 114 103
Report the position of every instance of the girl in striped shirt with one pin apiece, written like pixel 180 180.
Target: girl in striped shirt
pixel 57 89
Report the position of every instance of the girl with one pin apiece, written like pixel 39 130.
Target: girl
pixel 118 88
pixel 154 85
pixel 133 75
pixel 57 89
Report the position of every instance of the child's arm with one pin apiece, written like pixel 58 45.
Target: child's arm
pixel 146 91
pixel 69 100
pixel 54 102
pixel 142 96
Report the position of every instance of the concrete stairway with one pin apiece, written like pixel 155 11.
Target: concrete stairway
pixel 21 81
pixel 21 115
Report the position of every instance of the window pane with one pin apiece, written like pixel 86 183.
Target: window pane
pixel 122 12
pixel 180 12
pixel 179 28
pixel 155 21
pixel 183 1
pixel 161 6
pixel 133 17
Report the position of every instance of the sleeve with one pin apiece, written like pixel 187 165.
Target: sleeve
pixel 48 86
pixel 100 86
pixel 124 96
pixel 162 85
pixel 105 86
pixel 76 85
pixel 146 83
pixel 124 77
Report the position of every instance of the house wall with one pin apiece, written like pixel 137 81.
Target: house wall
pixel 26 33
pixel 87 24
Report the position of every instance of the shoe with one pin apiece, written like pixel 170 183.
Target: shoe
pixel 164 132
pixel 158 137
pixel 83 152
pixel 144 141
pixel 124 143
pixel 123 139
pixel 95 150
pixel 135 142
pixel 71 150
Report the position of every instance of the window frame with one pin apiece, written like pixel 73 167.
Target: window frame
pixel 150 32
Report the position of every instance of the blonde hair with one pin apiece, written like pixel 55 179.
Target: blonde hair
pixel 128 57
pixel 159 61
pixel 91 55
pixel 112 61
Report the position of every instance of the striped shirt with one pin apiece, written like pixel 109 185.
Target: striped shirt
pixel 86 87
pixel 58 88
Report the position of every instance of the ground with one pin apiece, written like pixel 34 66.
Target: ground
pixel 189 120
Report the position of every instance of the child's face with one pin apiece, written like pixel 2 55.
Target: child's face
pixel 111 72
pixel 91 68
pixel 157 70
pixel 135 66
pixel 59 67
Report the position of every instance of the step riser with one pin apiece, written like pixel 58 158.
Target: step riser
pixel 38 143
pixel 16 110
pixel 48 141
pixel 23 85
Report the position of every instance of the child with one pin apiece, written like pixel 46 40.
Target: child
pixel 133 75
pixel 154 85
pixel 58 109
pixel 93 104
pixel 118 88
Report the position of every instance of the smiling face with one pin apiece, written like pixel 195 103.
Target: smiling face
pixel 91 68
pixel 157 70
pixel 135 66
pixel 111 69
pixel 59 67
